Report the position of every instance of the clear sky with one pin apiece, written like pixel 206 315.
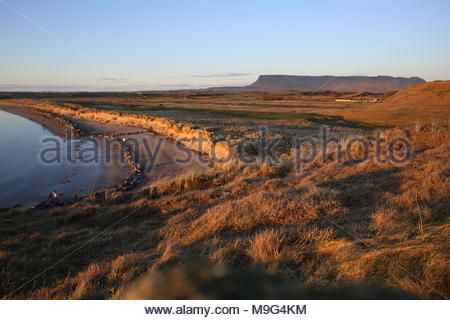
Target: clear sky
pixel 139 45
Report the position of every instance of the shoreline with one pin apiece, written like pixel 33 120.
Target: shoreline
pixel 36 116
pixel 112 178
pixel 119 176
pixel 195 138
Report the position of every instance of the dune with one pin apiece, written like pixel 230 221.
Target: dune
pixel 423 102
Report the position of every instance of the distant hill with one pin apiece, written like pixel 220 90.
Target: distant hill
pixel 347 84
pixel 421 102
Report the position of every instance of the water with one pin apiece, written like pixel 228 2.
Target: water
pixel 25 179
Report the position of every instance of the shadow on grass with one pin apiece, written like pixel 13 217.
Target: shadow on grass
pixel 266 115
pixel 328 120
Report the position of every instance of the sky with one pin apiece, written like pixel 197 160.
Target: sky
pixel 161 45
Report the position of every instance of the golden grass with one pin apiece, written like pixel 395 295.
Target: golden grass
pixel 420 103
pixel 329 225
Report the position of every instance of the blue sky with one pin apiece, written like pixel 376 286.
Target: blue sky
pixel 143 45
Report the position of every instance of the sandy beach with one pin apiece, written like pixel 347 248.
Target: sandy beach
pixel 158 156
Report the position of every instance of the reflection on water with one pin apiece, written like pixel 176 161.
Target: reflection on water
pixel 24 179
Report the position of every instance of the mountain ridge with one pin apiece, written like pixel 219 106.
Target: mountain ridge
pixel 375 84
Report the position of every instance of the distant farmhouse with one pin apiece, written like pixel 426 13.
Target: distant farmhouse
pixel 358 100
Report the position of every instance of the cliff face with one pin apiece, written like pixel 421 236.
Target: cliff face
pixel 349 84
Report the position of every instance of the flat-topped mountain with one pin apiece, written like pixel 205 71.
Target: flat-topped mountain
pixel 347 83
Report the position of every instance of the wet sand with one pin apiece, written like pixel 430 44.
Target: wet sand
pixel 156 155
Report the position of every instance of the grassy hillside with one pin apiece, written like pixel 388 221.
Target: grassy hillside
pixel 422 102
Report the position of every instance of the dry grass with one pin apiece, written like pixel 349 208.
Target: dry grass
pixel 266 247
pixel 422 102
pixel 329 225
